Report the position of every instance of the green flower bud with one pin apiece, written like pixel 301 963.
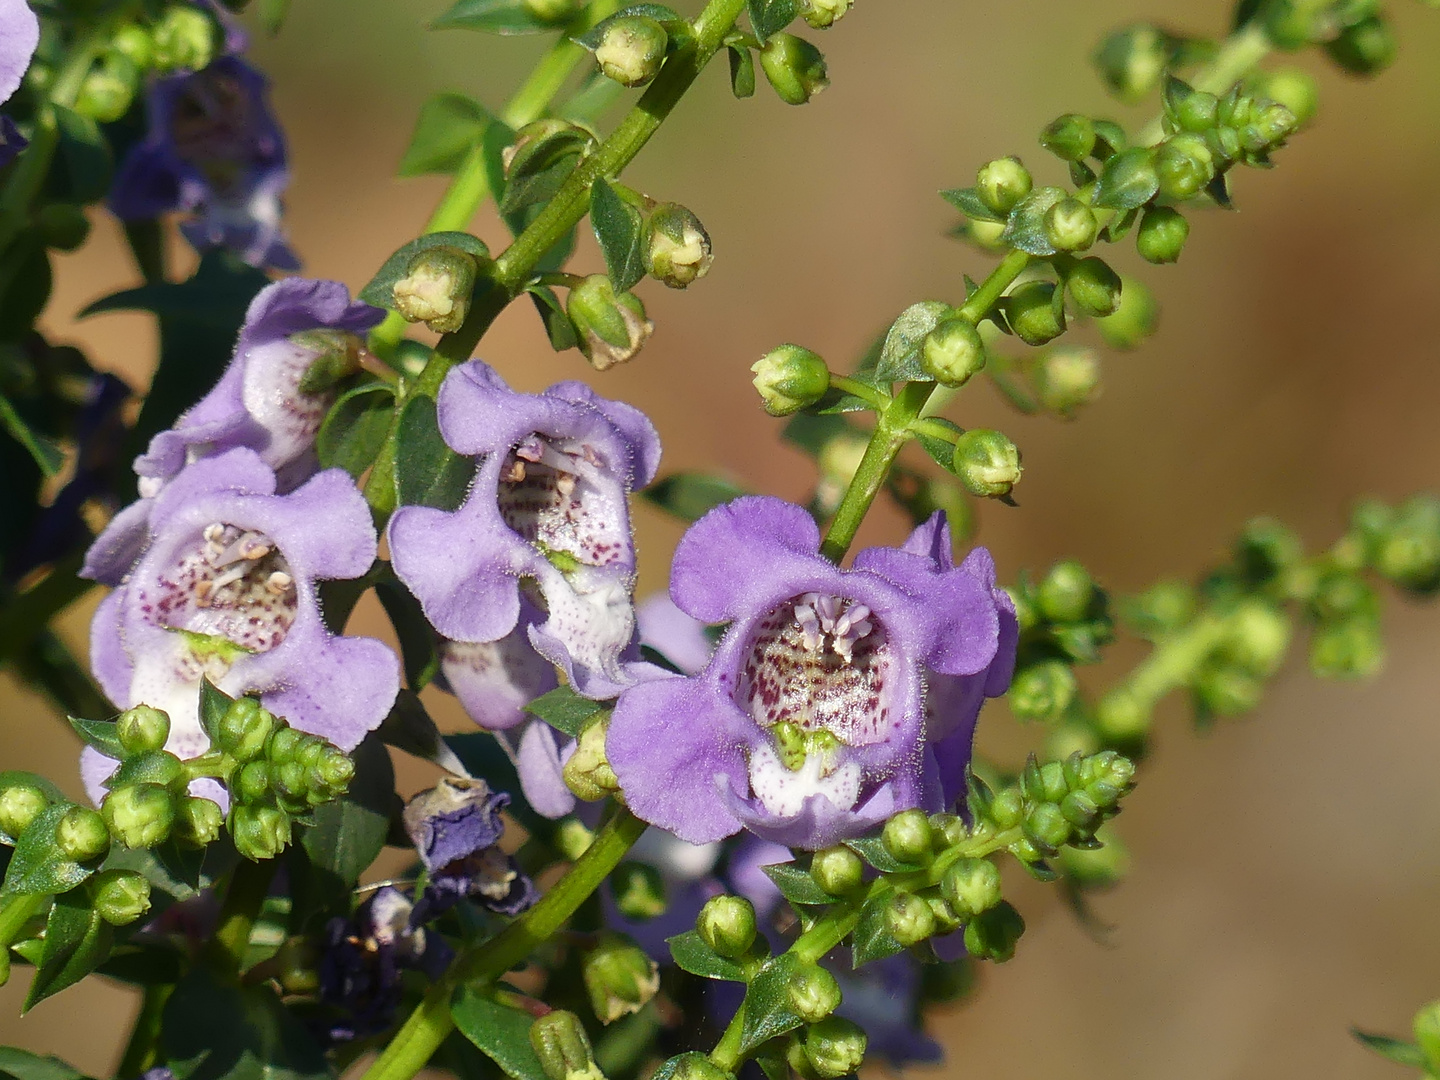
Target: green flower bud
pixel 108 89
pixel 1134 320
pixel 972 886
pixel 1106 776
pixel 908 919
pixel 552 11
pixel 183 37
pixel 837 870
pixel 142 729
pixel 619 978
pixel 120 896
pixel 639 891
pixel 1094 287
pixel 1197 112
pixel 1266 548
pixel 252 782
pixel 198 822
pixel 1068 379
pixel 1364 48
pixel 795 68
pixel 632 50
pixel 1259 636
pixel 133 42
pixel 1042 691
pixel 612 328
pixel 1071 225
pixel 813 993
pixel 1067 593
pixel 1349 649
pixel 1008 808
pixel 289 782
pixel 63 226
pixel 992 935
pixel 1095 868
pixel 560 1042
pixel 1427 1034
pixel 1407 550
pixel 436 288
pixel 953 352
pixel 139 815
pixel 1070 137
pixel 835 1047
pixel 1131 61
pixel 260 832
pixel 1162 608
pixel 1002 183
pixel 1162 234
pixel 987 463
pixel 1291 24
pixel 727 925
pixel 679 246
pixel 1033 312
pixel 588 773
pixel 1293 88
pixel 946 920
pixel 152 767
pixel 1184 165
pixel 20 804
pixel 1122 718
pixel 1080 810
pixel 907 836
pixel 82 835
pixel 789 379
pixel 332 774
pixel 823 14
pixel 245 728
pixel 1228 691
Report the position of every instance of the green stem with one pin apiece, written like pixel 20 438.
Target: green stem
pixel 1174 661
pixel 248 888
pixel 430 1023
pixel 876 397
pixel 18 911
pixel 143 1050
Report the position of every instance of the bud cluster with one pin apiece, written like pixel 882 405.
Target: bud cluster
pixel 182 37
pixel 1064 620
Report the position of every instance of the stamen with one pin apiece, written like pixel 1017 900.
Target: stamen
pixel 278 582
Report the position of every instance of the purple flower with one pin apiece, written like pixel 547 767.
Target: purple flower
pixel 456 827
pixel 225 587
pixel 215 151
pixel 812 722
pixel 883 997
pixel 19 35
pixel 549 503
pixel 257 404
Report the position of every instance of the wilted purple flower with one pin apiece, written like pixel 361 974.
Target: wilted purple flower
pixel 226 588
pixel 456 827
pixel 19 34
pixel 213 150
pixel 811 722
pixel 548 503
pixel 257 403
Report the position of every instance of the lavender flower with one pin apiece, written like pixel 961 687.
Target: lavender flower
pixel 226 588
pixel 215 151
pixel 549 504
pixel 258 403
pixel 19 35
pixel 812 720
pixel 456 827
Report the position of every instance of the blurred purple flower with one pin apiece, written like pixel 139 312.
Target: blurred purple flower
pixel 213 151
pixel 812 720
pixel 19 35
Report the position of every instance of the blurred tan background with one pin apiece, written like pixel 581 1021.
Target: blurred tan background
pixel 1286 869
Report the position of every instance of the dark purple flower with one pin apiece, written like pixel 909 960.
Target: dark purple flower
pixel 811 722
pixel 11 141
pixel 549 503
pixel 226 588
pixel 456 827
pixel 214 151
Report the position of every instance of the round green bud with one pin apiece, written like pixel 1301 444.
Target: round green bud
pixel 632 49
pixel 142 729
pixel 552 11
pixel 108 90
pixel 1002 183
pixel 133 42
pixel 953 352
pixel 1184 165
pixel 183 37
pixel 120 896
pixel 1122 718
pixel 1094 287
pixel 1068 379
pixel 1034 312
pixel 727 925
pixel 789 379
pixel 332 773
pixel 1295 89
pixel 1162 234
pixel 1348 649
pixel 992 935
pixel 437 288
pixel 1162 608
pixel 907 836
pixel 1198 112
pixel 837 870
pixel 1106 776
pixel 619 978
pixel 1096 868
pixel 1225 690
pixel 835 1047
pixel 823 14
pixel 1266 548
pixel 946 920
pixel 1067 593
pixel 1134 320
pixel 1008 808
pixel 289 781
pixel 198 821
pixel 1291 24
pixel 1042 691
pixel 245 729
pixel 612 327
pixel 1131 61
pixel 972 886
pixel 1070 137
pixel 82 835
pixel 63 226
pixel 588 773
pixel 252 782
pixel 795 68
pixel 1364 48
pixel 260 832
pixel 1427 1034
pixel 1049 782
pixel 559 1041
pixel 678 252
pixel 20 804
pixel 285 744
pixel 812 993
pixel 1080 810
pixel 1071 225
pixel 908 919
pixel 139 815
pixel 1259 637
pixel 987 463
pixel 639 891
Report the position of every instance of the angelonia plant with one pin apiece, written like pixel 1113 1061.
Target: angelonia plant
pixel 737 826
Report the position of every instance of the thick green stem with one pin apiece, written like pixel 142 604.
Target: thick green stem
pixel 143 1050
pixel 249 886
pixel 430 1023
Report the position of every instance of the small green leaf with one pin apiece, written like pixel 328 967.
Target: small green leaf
pixel 796 885
pixel 83 163
pixel 427 472
pixel 1120 225
pixel 417 640
pixel 564 710
pixel 449 127
pixel 691 954
pixel 47 454
pixel 767 1003
pixel 353 432
pixel 501 1033
pixel 872 850
pixel 742 71
pixel 23 1065
pixel 558 327
pixel 540 166
pixel 77 941
pixel 941 450
pixel 380 291
pixel 25 281
pixel 968 202
pixel 1396 1050
pixel 38 866
pixel 1025 228
pixel 493 17
pixel 872 940
pixel 771 16
pixel 689 496
pixel 1128 180
pixel 172 869
pixel 214 704
pixel 900 355
pixel 620 228
pixel 99 735
pixel 667 17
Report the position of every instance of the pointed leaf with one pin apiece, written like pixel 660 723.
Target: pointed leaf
pixel 872 850
pixel 427 472
pixel 558 327
pixel 493 17
pixel 23 1065
pixel 353 432
pixel 900 355
pixel 742 72
pixel 564 710
pixel 500 1032
pixel 449 127
pixel 968 202
pixel 770 16
pixel 941 450
pixel 689 496
pixel 214 704
pixel 691 954
pixel 767 1003
pixel 620 228
pixel 77 941
pixel 1396 1050
pixel 44 450
pixel 1025 228
pixel 872 940
pixel 100 735
pixel 1128 180
pixel 796 884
